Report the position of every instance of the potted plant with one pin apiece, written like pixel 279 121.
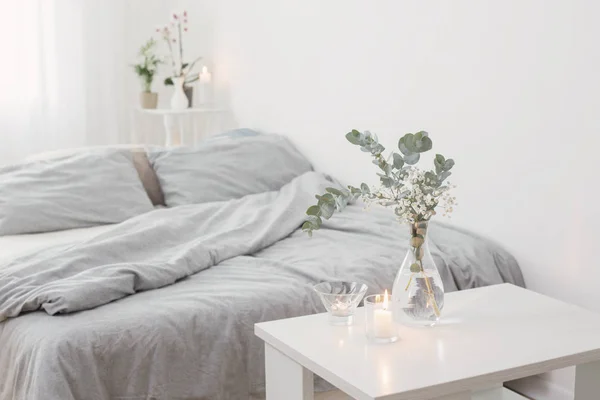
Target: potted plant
pixel 181 77
pixel 416 195
pixel 145 70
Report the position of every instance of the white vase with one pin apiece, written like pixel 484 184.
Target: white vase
pixel 179 100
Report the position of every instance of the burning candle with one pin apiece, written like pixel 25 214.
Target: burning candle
pixel 205 76
pixel 340 308
pixel 380 326
pixel 205 87
pixel 383 323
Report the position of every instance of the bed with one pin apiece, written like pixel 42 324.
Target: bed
pixel 194 339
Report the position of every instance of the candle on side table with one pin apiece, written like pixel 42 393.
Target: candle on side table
pixel 380 325
pixel 205 76
pixel 340 308
pixel 205 87
pixel 340 299
pixel 383 323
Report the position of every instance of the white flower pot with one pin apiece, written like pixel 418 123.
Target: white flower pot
pixel 179 100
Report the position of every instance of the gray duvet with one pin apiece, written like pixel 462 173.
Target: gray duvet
pixel 216 269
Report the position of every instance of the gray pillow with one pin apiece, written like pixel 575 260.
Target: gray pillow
pixel 74 191
pixel 226 168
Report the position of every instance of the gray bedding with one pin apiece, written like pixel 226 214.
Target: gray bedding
pixel 226 168
pixel 194 339
pixel 153 250
pixel 53 194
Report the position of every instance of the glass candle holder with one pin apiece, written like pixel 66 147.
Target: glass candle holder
pixel 341 299
pixel 380 325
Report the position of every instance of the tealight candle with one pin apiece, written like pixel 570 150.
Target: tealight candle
pixel 380 325
pixel 340 308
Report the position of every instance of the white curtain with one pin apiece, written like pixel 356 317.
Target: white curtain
pixel 62 75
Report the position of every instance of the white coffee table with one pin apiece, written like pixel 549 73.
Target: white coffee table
pixel 487 336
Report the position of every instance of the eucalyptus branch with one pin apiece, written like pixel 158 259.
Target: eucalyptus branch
pixel 413 193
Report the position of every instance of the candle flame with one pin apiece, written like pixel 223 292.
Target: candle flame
pixel 385 300
pixel 204 69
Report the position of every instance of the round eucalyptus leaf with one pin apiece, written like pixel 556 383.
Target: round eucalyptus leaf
pixel 412 159
pixel 402 147
pixel 398 161
pixel 418 252
pixel 423 145
pixel 327 198
pixel 327 210
pixel 313 210
pixel 448 164
pixel 334 191
pixel 417 241
pixel 386 181
pixel 409 142
pixel 444 175
pixel 354 137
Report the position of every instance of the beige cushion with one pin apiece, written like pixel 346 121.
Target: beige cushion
pixel 140 161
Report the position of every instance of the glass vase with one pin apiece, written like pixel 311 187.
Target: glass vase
pixel 418 291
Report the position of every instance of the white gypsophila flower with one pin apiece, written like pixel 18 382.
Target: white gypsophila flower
pixel 414 197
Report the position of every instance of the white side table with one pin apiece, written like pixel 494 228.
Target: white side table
pixel 487 336
pixel 174 121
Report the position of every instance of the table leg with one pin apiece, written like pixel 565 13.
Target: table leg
pixel 181 131
pixel 174 129
pixel 194 130
pixel 168 122
pixel 287 379
pixel 587 381
pixel 133 137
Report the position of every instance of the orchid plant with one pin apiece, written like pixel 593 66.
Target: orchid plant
pixel 413 193
pixel 173 34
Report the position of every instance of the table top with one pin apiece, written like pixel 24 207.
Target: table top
pixel 486 336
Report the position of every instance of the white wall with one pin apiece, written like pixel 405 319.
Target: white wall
pixel 510 89
pixel 67 80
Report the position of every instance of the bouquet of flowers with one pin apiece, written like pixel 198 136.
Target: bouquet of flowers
pixel 413 193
